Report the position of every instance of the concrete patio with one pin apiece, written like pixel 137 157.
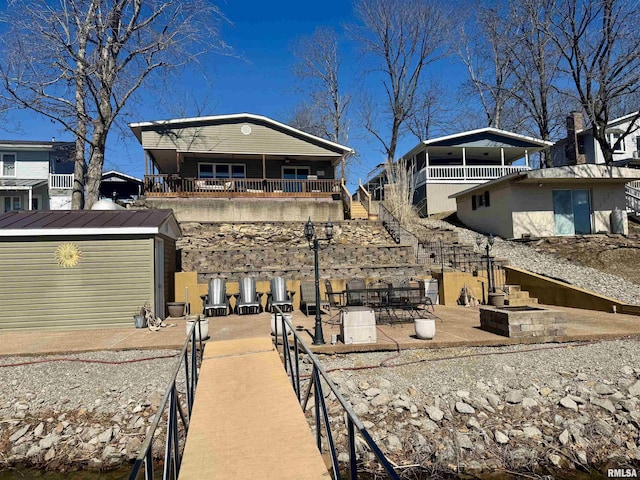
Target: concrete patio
pixel 455 326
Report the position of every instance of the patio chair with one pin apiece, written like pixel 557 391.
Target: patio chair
pixel 280 296
pixel 216 302
pixel 308 297
pixel 249 300
pixel 356 292
pixel 334 299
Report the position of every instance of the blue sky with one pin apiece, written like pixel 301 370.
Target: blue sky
pixel 257 78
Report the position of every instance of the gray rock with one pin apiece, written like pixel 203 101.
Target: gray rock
pixel 464 441
pixel 382 399
pixel 38 430
pixel 628 405
pixel 49 441
pixel 384 384
pixel 33 451
pixel 429 425
pixel 555 459
pixel 500 437
pixel 462 407
pixel 50 455
pixel 372 392
pixel 434 413
pixel 531 432
pixel 105 436
pixel 569 403
pixel 19 433
pixel 603 428
pixel 494 400
pixel 513 397
pixel 582 457
pixel 463 394
pixel 603 389
pixel 473 423
pixel 634 390
pixel 361 408
pixel 394 443
pixel 564 437
pixel 343 457
pixel 604 403
pixel 529 402
pixel 626 370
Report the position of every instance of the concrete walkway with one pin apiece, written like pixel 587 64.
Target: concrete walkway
pixel 455 326
pixel 246 421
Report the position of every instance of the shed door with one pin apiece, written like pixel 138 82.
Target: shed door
pixel 572 212
pixel 159 277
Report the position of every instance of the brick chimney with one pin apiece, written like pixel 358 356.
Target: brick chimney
pixel 575 124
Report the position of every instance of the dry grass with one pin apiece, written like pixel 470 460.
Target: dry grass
pixel 398 193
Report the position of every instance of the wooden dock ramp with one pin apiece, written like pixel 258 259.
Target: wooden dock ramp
pixel 246 421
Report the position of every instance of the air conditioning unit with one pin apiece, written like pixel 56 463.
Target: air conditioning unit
pixel 636 155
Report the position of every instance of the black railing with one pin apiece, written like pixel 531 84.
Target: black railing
pixel 321 414
pixel 176 434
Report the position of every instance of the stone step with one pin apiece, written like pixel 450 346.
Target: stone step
pixel 519 302
pixel 508 289
pixel 520 294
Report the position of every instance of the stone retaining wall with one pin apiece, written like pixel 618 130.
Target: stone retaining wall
pixel 521 322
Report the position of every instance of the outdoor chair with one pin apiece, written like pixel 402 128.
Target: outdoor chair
pixel 308 297
pixel 334 299
pixel 249 300
pixel 216 302
pixel 378 293
pixel 280 296
pixel 356 292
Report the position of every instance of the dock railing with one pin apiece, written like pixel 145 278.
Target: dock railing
pixel 172 407
pixel 316 378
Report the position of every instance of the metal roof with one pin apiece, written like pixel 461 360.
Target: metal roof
pixel 88 222
pixel 12 183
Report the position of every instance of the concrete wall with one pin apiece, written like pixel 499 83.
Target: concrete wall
pixel 450 287
pixel 553 292
pixel 60 199
pixel 246 210
pixel 496 218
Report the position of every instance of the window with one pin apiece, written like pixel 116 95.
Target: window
pixel 613 138
pixel 8 161
pixel 11 203
pixel 221 170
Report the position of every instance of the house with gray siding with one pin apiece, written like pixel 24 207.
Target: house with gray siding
pixel 35 175
pixel 240 158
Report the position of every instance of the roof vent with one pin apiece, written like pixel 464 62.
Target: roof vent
pixel 246 129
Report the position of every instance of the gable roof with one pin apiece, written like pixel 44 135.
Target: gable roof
pixel 138 127
pixel 88 222
pixel 124 176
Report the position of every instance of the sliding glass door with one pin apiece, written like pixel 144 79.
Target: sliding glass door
pixel 572 212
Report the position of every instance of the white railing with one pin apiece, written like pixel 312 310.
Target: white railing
pixel 466 174
pixel 61 180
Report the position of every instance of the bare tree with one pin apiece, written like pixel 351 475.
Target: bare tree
pixel 485 53
pixel 401 37
pixel 79 63
pixel 305 117
pixel 600 43
pixel 430 110
pixel 319 63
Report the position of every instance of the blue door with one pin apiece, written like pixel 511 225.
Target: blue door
pixel 572 212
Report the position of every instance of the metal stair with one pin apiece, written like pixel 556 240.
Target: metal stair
pixel 633 198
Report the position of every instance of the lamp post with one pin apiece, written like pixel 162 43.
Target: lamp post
pixel 491 288
pixel 314 244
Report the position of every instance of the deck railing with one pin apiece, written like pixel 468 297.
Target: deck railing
pixel 173 185
pixel 466 173
pixel 315 379
pixel 189 359
pixel 61 180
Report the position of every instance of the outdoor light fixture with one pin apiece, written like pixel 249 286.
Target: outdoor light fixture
pixel 491 288
pixel 314 244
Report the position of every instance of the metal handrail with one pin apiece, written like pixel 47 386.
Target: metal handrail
pixel 321 414
pixel 172 452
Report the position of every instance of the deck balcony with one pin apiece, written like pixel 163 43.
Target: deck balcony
pixel 61 181
pixel 465 174
pixel 176 186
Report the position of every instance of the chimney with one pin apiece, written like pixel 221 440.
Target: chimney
pixel 572 149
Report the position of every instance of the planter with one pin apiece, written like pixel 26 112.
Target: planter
pixel 204 328
pixel 175 309
pixel 425 328
pixel 140 321
pixel 496 299
pixel 276 324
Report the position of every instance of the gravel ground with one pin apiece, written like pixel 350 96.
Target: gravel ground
pixel 523 256
pixel 65 386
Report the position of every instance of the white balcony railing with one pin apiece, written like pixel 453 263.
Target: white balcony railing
pixel 61 180
pixel 471 174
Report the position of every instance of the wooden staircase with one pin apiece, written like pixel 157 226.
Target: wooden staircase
pixel 515 297
pixel 358 212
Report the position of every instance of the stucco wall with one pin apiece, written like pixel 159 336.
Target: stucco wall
pixel 494 219
pixel 438 196
pixel 246 210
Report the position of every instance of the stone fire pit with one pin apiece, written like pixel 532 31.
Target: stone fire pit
pixel 523 321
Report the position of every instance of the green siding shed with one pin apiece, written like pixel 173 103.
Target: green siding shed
pixel 84 269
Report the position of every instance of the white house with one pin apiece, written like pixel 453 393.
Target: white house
pixel 580 146
pixel 35 175
pixel 569 200
pixel 447 165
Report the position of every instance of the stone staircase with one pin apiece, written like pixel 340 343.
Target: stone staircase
pixel 515 297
